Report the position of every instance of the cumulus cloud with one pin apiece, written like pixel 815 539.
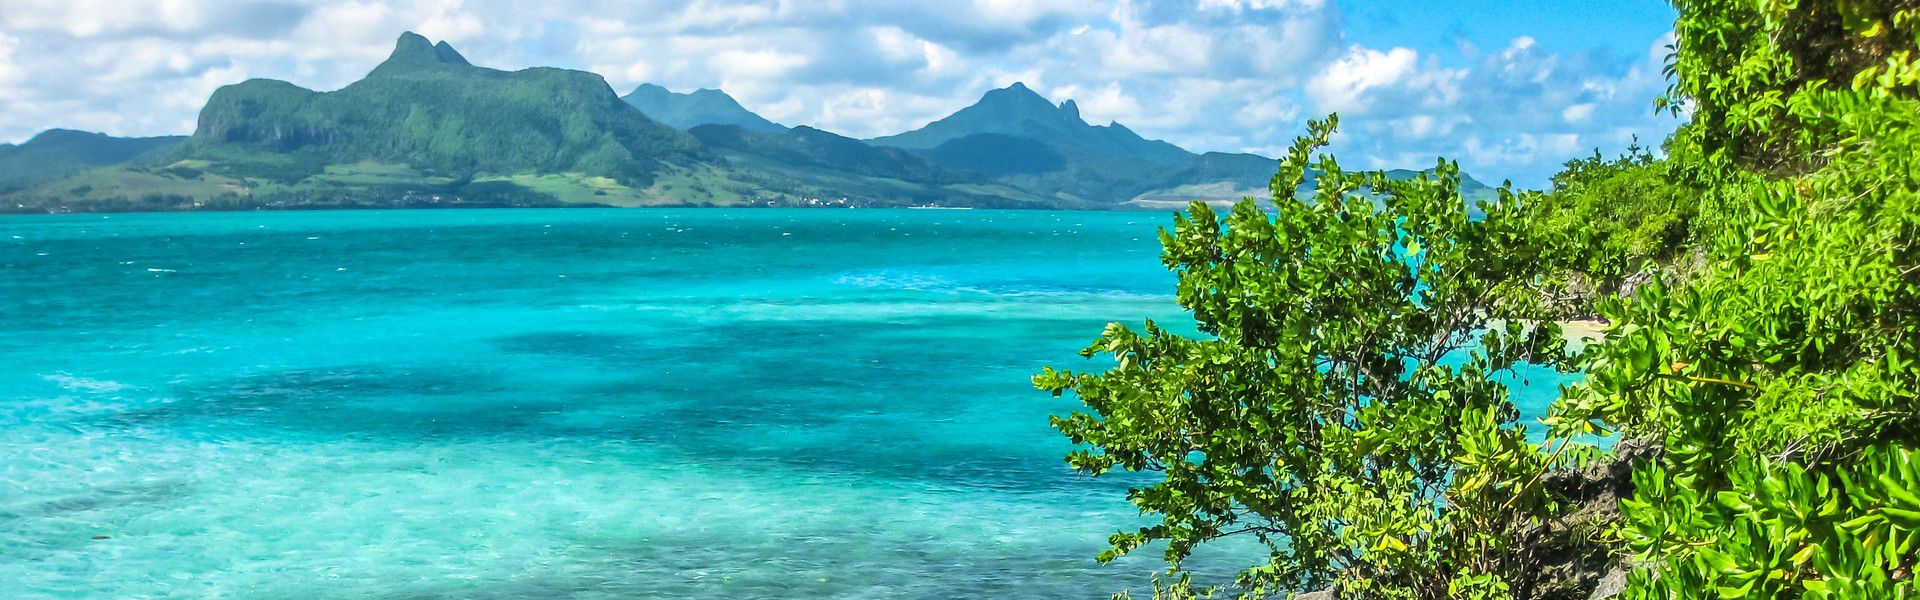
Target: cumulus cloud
pixel 1515 114
pixel 1226 75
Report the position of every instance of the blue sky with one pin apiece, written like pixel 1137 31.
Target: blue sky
pixel 1511 89
pixel 1437 27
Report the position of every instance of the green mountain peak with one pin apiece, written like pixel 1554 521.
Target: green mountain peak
pixel 701 107
pixel 413 51
pixel 427 125
pixel 428 108
pixel 1018 111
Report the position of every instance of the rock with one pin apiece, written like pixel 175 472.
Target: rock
pixel 1565 563
pixel 1320 595
pixel 1611 584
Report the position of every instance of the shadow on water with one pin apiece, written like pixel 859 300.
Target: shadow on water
pixel 103 498
pixel 346 397
pixel 776 399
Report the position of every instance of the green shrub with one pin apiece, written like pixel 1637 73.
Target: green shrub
pixel 1782 377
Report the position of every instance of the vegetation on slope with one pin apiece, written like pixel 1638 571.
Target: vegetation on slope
pixel 1783 376
pixel 1622 221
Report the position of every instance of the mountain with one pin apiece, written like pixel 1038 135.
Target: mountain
pixel 819 166
pixel 701 107
pixel 1021 139
pixel 428 108
pixel 999 155
pixel 1017 111
pixel 57 153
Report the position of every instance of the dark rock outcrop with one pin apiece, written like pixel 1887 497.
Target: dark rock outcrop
pixel 1569 562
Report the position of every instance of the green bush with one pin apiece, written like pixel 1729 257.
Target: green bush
pixel 1345 407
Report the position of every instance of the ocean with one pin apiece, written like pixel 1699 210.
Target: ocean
pixel 586 403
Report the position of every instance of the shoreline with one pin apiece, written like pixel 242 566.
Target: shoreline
pixel 1580 332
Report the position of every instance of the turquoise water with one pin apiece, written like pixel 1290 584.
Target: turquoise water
pixel 558 403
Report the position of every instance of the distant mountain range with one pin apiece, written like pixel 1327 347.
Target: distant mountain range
pixel 428 128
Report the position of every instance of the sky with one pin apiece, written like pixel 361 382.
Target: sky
pixel 1511 89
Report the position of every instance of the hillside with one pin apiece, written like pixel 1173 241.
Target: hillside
pixel 700 107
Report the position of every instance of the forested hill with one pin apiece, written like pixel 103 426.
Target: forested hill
pixel 427 107
pixel 56 153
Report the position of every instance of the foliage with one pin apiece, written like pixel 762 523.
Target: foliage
pixel 1779 529
pixel 1753 73
pixel 1782 377
pixel 1617 218
pixel 1345 407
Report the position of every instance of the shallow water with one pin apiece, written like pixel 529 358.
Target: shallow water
pixel 559 403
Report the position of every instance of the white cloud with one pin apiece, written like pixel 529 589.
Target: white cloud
pixel 754 64
pixel 1244 5
pixel 1107 103
pixel 9 70
pixel 1516 113
pixel 1578 113
pixel 1345 84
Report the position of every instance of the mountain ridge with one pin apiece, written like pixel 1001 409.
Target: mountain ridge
pixel 427 127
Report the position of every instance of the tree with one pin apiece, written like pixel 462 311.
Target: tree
pixel 1345 406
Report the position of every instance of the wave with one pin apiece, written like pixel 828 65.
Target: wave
pixel 917 282
pixel 74 383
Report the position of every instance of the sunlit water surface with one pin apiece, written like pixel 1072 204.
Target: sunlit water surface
pixel 559 403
